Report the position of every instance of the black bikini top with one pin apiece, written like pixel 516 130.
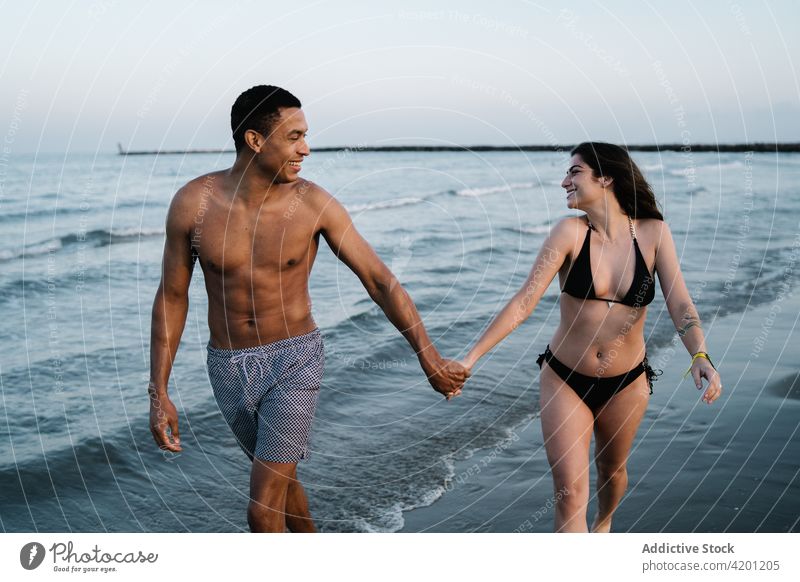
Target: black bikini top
pixel 580 284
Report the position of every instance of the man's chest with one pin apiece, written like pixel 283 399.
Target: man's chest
pixel 267 241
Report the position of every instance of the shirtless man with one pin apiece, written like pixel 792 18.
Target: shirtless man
pixel 256 228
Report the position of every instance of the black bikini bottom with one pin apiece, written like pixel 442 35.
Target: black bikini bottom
pixel 596 391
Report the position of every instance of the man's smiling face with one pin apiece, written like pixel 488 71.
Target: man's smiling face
pixel 283 150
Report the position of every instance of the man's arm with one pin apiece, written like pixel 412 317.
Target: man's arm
pixel 446 376
pixel 170 307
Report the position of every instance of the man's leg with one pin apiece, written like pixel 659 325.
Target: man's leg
pixel 277 499
pixel 269 485
pixel 284 416
pixel 298 518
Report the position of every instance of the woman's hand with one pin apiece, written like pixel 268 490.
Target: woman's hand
pixel 702 368
pixel 448 377
pixel 467 362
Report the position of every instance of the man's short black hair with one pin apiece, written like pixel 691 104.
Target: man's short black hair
pixel 256 109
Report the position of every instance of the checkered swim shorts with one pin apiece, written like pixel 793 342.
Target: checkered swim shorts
pixel 268 394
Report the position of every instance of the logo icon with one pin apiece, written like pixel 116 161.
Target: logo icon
pixel 31 555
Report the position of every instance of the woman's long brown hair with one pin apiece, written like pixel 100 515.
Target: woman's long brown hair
pixel 633 192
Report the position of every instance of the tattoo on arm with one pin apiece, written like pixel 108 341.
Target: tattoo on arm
pixel 691 321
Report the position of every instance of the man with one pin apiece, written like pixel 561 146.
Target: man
pixel 255 229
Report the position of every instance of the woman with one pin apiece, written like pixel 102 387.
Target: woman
pixel 594 373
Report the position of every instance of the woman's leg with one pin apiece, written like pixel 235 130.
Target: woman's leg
pixel 615 427
pixel 567 427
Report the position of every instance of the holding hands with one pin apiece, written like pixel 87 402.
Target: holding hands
pixel 447 377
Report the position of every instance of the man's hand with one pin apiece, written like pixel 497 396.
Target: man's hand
pixel 163 415
pixel 447 377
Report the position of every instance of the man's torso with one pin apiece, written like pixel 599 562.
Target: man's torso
pixel 256 260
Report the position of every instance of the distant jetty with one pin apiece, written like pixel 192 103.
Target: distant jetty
pixel 792 147
pixel 124 152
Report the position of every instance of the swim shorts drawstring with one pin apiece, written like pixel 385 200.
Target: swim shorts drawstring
pixel 259 356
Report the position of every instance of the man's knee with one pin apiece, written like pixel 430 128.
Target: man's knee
pixel 269 482
pixel 267 474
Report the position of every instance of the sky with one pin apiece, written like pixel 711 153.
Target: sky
pixel 83 76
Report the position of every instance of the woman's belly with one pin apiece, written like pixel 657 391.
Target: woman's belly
pixel 596 340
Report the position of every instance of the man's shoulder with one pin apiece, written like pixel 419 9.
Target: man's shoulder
pixel 311 192
pixel 321 207
pixel 317 198
pixel 191 197
pixel 200 186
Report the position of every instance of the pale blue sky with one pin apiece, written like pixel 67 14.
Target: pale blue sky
pixel 82 76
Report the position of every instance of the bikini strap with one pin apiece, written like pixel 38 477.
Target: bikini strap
pixel 633 231
pixel 630 223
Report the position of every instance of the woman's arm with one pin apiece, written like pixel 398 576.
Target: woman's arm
pixel 683 313
pixel 550 259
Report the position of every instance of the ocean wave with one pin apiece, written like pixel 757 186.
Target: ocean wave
pixel 32 214
pixel 390 519
pixel 397 202
pixel 394 516
pixel 476 192
pixel 536 229
pixel 150 203
pixel 692 170
pixel 759 278
pixel 61 211
pixel 35 286
pixel 86 457
pixel 93 238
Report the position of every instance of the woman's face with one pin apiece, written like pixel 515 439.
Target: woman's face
pixel 581 185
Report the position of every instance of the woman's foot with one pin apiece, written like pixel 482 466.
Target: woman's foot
pixel 603 526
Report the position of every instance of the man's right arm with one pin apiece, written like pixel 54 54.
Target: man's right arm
pixel 170 308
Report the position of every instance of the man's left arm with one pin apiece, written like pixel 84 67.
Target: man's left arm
pixel 446 376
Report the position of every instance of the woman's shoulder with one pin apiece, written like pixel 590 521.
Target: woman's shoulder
pixel 570 223
pixel 651 225
pixel 653 230
pixel 568 232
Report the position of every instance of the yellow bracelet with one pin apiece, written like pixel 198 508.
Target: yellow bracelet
pixel 699 355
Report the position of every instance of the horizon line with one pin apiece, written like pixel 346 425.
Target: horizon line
pixel 760 147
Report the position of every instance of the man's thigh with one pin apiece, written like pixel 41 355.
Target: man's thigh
pixel 284 421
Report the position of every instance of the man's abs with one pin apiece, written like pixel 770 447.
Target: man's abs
pixel 243 315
